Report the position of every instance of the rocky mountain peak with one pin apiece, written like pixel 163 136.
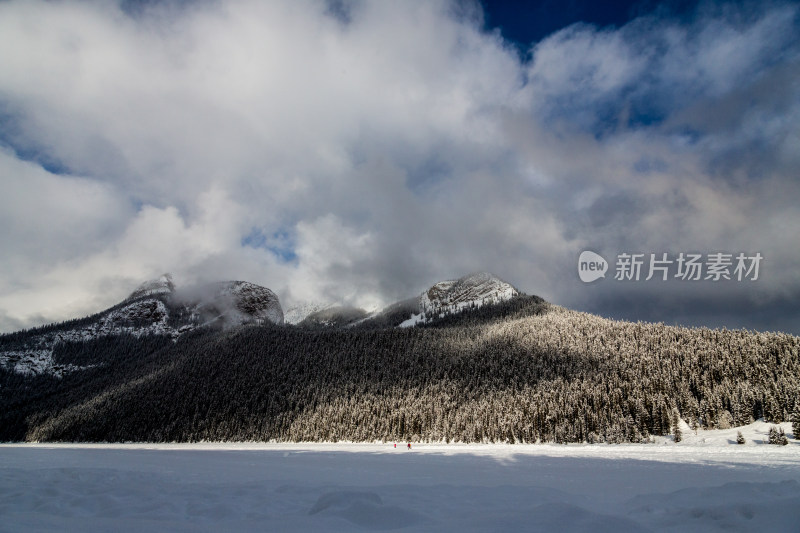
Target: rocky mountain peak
pixel 474 289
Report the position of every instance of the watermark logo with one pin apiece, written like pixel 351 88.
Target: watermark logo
pixel 683 266
pixel 591 266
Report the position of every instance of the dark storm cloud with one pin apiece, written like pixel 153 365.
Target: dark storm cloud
pixel 729 306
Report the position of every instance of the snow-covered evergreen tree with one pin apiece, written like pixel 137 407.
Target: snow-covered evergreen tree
pixel 777 436
pixel 772 436
pixel 675 420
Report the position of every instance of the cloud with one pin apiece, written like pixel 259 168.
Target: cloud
pixel 359 152
pixel 58 217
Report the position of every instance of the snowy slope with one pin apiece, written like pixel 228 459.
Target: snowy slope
pixel 32 362
pixel 298 312
pixel 325 315
pixel 338 316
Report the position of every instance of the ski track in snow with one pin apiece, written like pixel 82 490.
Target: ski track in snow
pixel 702 484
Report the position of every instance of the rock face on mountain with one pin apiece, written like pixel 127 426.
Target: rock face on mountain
pixel 473 290
pixel 240 302
pixel 451 296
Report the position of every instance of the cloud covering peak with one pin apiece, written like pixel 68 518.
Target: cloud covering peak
pixel 360 151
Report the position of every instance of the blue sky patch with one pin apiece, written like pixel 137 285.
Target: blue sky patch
pixel 280 243
pixel 12 138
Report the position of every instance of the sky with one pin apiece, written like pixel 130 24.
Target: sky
pixel 357 152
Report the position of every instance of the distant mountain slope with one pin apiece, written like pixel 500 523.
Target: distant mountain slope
pixel 298 312
pixel 541 374
pixel 154 308
pixel 391 316
pixel 488 364
pixel 334 317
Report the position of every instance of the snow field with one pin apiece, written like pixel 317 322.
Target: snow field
pixel 704 483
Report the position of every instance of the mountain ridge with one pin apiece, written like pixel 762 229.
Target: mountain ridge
pixel 160 307
pixel 440 299
pixel 155 307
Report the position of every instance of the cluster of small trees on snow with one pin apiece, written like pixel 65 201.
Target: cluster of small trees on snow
pixel 777 436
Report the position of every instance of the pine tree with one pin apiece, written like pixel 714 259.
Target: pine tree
pixel 772 436
pixel 675 420
pixel 777 436
pixel 796 421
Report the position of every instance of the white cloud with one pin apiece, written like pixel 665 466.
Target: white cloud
pixel 392 149
pixel 581 59
pixel 52 217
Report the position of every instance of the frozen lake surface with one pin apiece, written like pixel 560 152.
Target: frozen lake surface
pixel 706 483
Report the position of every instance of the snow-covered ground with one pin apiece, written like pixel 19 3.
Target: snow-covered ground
pixel 297 313
pixel 413 321
pixel 705 483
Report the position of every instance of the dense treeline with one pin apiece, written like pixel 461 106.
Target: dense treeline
pixel 111 362
pixel 523 371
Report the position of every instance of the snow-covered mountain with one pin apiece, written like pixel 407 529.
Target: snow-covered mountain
pixel 468 292
pixel 224 303
pixel 156 307
pixel 159 307
pixel 341 377
pixel 471 290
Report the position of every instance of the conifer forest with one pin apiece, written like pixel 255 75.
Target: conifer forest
pixel 519 371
